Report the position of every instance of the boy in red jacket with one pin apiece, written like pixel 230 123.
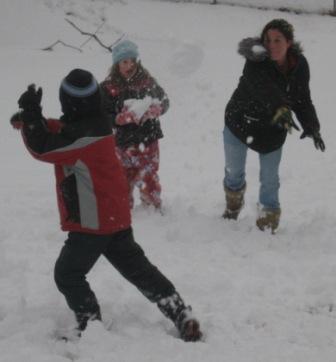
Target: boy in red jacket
pixel 92 196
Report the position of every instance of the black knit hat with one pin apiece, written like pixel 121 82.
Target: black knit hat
pixel 281 25
pixel 79 94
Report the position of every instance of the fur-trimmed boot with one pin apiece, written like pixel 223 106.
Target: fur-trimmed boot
pixel 174 308
pixel 268 219
pixel 234 202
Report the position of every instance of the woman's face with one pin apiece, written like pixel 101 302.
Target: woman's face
pixel 277 45
pixel 127 67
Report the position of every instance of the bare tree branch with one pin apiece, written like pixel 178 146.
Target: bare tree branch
pixel 91 35
pixel 50 47
pixel 117 41
pixel 96 32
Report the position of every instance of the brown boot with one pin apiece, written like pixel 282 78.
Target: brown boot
pixel 234 202
pixel 190 330
pixel 269 219
pixel 181 315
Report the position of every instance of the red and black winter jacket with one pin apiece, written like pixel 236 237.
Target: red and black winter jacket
pixel 91 187
pixel 116 90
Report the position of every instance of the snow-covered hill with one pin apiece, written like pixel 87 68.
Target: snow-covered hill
pixel 259 297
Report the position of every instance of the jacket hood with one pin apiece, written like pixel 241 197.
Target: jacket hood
pixel 252 49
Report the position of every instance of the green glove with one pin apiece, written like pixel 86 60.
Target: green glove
pixel 283 119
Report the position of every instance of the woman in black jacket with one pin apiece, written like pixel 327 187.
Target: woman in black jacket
pixel 274 83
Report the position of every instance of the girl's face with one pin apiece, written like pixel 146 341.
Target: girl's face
pixel 277 45
pixel 127 67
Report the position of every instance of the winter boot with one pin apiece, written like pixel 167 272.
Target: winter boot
pixel 269 219
pixel 234 202
pixel 74 334
pixel 84 318
pixel 174 308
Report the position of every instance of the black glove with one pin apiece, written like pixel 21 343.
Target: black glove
pixel 31 98
pixel 30 103
pixel 283 119
pixel 318 141
pixel 16 121
pixel 252 49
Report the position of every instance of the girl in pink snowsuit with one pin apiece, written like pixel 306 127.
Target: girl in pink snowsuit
pixel 134 101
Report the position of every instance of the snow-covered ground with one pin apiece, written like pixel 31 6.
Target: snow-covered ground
pixel 259 297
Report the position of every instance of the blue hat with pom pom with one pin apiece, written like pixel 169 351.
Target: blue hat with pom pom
pixel 124 50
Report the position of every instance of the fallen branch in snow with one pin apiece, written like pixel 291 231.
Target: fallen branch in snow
pixel 91 36
pixel 50 47
pixel 87 40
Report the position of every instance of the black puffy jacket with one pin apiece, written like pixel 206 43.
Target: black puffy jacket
pixel 262 89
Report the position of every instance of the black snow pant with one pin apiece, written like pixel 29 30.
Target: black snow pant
pixel 80 253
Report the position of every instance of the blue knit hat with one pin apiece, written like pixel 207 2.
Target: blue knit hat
pixel 124 50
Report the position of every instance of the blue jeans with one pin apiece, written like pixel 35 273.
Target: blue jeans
pixel 235 160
